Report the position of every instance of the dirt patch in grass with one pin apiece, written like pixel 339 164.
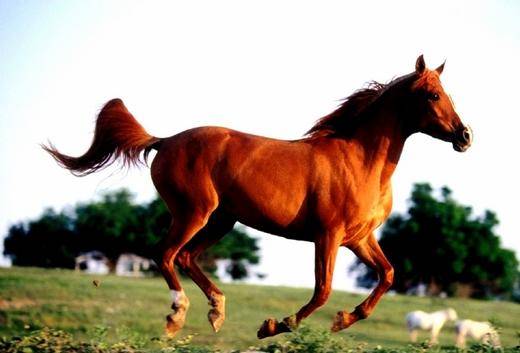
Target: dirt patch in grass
pixel 16 303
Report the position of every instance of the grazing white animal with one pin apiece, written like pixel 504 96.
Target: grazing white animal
pixel 433 322
pixel 482 331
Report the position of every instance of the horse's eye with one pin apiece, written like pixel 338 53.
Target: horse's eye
pixel 434 96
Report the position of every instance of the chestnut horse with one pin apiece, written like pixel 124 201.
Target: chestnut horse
pixel 331 187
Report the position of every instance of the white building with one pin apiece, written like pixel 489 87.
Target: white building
pixel 132 265
pixel 94 262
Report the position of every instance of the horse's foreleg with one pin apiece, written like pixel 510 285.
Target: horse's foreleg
pixel 460 339
pixel 326 250
pixel 434 338
pixel 209 235
pixel 371 254
pixel 413 336
pixel 181 231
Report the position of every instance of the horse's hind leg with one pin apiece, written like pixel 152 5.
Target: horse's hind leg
pixel 183 228
pixel 326 249
pixel 371 254
pixel 217 227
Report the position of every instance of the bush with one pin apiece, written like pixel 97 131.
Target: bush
pixel 57 341
pixel 311 341
pixel 304 340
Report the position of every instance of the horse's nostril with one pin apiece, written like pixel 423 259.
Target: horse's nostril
pixel 463 138
pixel 466 135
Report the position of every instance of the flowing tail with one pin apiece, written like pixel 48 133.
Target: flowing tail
pixel 117 134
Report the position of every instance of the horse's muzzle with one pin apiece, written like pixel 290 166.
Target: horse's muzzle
pixel 463 139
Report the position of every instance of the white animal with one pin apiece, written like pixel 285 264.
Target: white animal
pixel 482 331
pixel 433 322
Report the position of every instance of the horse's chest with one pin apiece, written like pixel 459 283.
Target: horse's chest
pixel 364 217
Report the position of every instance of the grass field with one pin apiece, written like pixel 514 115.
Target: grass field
pixel 33 298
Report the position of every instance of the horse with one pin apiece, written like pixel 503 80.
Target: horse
pixel 478 330
pixel 420 320
pixel 331 187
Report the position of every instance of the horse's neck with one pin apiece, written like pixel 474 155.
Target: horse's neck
pixel 442 313
pixel 381 141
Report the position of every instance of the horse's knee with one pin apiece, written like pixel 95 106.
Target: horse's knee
pixel 388 277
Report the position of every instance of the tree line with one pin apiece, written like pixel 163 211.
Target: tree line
pixel 440 244
pixel 115 224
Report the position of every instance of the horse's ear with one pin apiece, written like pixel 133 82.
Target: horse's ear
pixel 440 68
pixel 420 66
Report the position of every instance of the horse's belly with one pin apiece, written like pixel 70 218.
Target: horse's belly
pixel 268 206
pixel 279 214
pixel 268 192
pixel 267 226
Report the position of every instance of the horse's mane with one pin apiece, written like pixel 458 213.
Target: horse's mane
pixel 350 112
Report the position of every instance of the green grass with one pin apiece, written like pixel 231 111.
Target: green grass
pixel 33 298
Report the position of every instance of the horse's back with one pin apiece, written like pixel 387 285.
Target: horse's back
pixel 475 329
pixel 212 150
pixel 418 319
pixel 261 180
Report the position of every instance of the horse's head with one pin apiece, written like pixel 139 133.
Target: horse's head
pixel 451 314
pixel 431 110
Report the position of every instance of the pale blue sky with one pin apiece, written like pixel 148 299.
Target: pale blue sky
pixel 267 67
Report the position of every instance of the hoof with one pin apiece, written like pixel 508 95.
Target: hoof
pixel 217 314
pixel 271 327
pixel 267 329
pixel 174 323
pixel 343 320
pixel 180 306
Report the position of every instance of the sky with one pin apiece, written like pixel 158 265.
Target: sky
pixel 269 68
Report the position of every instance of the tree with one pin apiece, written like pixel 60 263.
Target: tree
pixel 113 225
pixel 440 243
pixel 49 241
